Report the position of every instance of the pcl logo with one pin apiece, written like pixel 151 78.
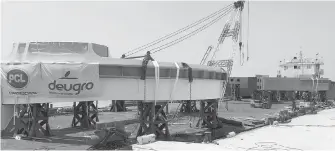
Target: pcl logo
pixel 17 78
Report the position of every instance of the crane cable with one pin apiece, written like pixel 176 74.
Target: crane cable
pixel 241 39
pixel 222 35
pixel 190 34
pixel 179 31
pixel 234 50
pixel 242 52
pixel 248 30
pixel 234 43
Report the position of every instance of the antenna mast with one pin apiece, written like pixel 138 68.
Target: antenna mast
pixel 301 62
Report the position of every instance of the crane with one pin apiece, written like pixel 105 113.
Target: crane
pixel 226 65
pixel 236 34
pixel 232 28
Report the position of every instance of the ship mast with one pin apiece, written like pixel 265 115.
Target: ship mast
pixel 317 66
pixel 301 62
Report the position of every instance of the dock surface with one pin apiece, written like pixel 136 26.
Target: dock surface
pixel 309 132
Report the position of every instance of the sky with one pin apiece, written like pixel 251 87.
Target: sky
pixel 277 31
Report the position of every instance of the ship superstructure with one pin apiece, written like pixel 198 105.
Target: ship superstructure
pixel 300 67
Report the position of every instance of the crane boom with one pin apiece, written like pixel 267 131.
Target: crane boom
pixel 204 58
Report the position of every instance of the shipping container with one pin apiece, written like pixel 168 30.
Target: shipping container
pixel 246 86
pixel 331 91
